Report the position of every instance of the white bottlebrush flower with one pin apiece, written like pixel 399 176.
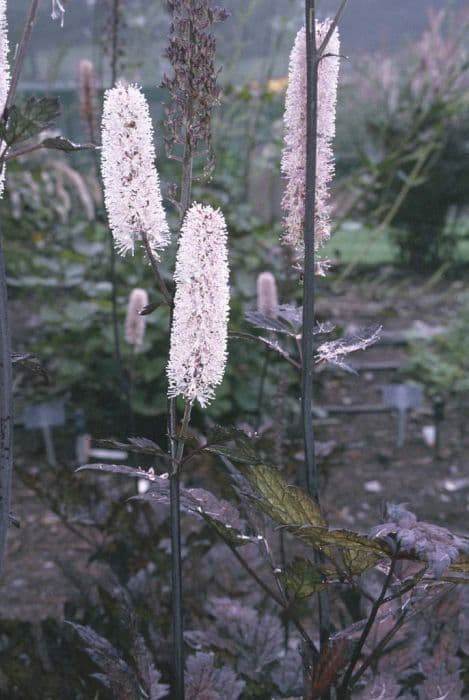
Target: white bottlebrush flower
pixel 199 333
pixel 4 74
pixel 294 153
pixel 267 297
pixel 134 322
pixel 131 183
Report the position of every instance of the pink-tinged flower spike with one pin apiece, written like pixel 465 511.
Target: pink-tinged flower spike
pixel 199 333
pixel 267 297
pixel 4 74
pixel 131 183
pixel 294 152
pixel 134 322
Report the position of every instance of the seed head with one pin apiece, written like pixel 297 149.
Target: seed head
pixel 88 101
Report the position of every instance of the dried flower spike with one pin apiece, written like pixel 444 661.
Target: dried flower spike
pixel 4 74
pixel 88 101
pixel 131 183
pixel 267 297
pixel 134 322
pixel 199 332
pixel 294 153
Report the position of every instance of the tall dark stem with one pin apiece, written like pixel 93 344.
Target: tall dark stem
pixel 21 54
pixel 175 513
pixel 6 426
pixel 6 390
pixel 307 342
pixel 344 688
pixel 112 252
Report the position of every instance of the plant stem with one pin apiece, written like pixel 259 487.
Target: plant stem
pixel 160 283
pixel 276 598
pixel 344 688
pixel 176 590
pixel 112 251
pixel 307 340
pixel 6 390
pixel 175 514
pixel 115 18
pixel 309 256
pixel 333 25
pixel 183 432
pixel 6 409
pixel 20 56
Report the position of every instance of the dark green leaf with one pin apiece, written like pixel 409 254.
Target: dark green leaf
pixel 322 538
pixel 32 363
pixel 59 143
pixel 29 120
pixel 287 505
pixel 357 561
pixel 243 447
pixel 137 444
pixel 120 469
pixel 461 566
pixel 218 513
pixel 302 579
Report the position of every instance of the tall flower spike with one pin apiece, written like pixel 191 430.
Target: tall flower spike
pixel 294 152
pixel 267 297
pixel 134 322
pixel 197 356
pixel 131 183
pixel 4 75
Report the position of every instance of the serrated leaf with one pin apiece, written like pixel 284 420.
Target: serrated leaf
pixel 460 566
pixel 287 505
pixel 302 579
pixel 274 325
pixel 139 445
pixel 117 672
pixel 218 513
pixel 32 363
pixel 30 119
pixel 204 680
pixel 357 561
pixel 243 449
pixel 322 538
pixel 60 143
pixel 121 469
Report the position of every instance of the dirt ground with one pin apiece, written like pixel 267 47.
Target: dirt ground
pixel 366 469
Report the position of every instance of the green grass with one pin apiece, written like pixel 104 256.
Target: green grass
pixel 355 244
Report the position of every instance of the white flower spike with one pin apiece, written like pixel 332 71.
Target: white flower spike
pixel 131 182
pixel 294 153
pixel 199 333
